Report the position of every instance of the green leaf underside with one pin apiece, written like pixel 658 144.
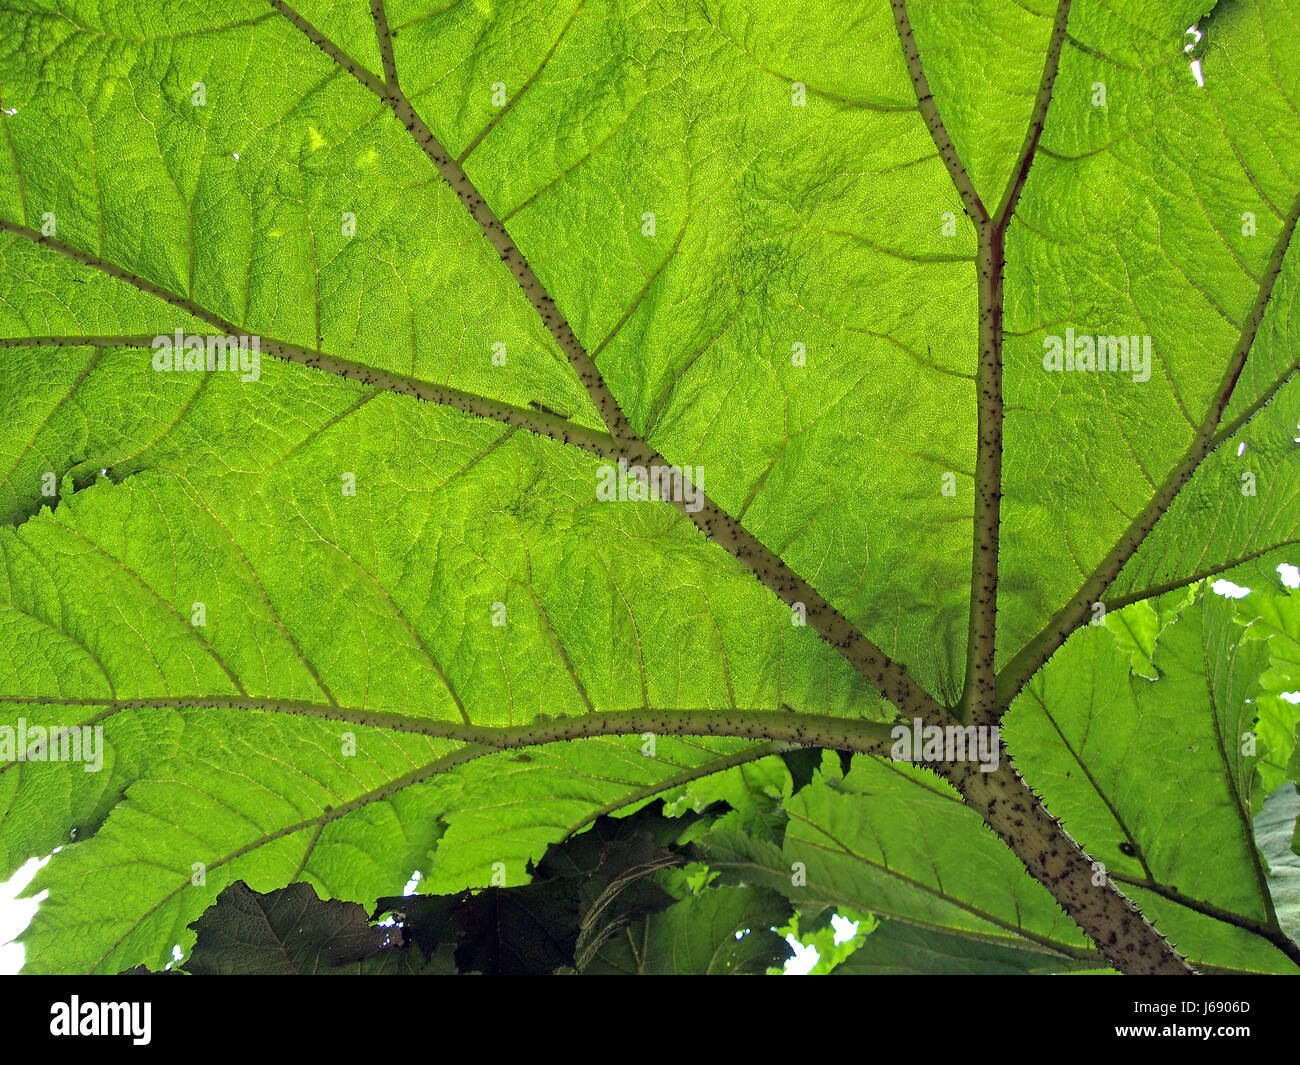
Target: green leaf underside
pixel 775 225
pixel 1275 830
pixel 897 949
pixel 1153 775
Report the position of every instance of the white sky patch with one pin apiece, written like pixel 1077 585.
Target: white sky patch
pixel 1290 697
pixel 1197 73
pixel 1289 574
pixel 16 914
pixel 1229 590
pixel 411 885
pixel 804 958
pixel 844 928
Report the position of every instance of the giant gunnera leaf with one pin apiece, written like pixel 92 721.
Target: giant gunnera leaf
pixel 434 434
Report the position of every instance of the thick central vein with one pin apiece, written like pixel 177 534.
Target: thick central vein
pixel 889 677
